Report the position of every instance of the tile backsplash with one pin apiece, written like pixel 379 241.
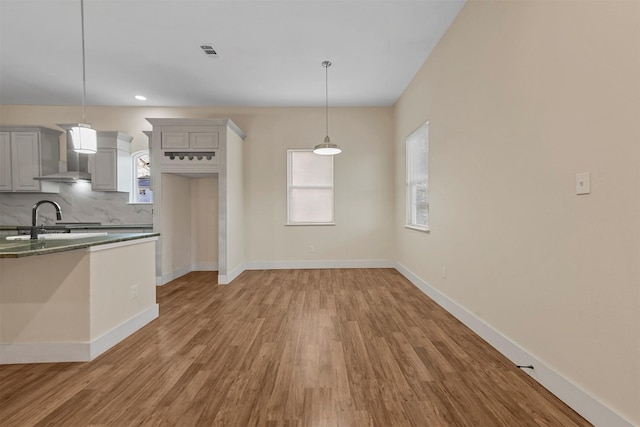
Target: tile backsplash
pixel 78 204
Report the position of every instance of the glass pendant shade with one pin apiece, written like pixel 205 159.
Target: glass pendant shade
pixel 84 138
pixel 327 148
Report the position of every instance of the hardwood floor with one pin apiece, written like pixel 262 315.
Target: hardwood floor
pixel 354 347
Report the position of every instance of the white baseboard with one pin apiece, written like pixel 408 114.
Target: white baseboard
pixel 74 351
pixel 44 353
pixel 166 278
pixel 201 266
pixel 117 334
pixel 225 279
pixel 305 265
pixel 583 403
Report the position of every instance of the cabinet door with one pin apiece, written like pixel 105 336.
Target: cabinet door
pixel 203 140
pixel 5 161
pixel 175 140
pixel 103 176
pixel 25 160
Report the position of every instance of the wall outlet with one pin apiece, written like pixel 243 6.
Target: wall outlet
pixel 444 272
pixel 312 249
pixel 134 292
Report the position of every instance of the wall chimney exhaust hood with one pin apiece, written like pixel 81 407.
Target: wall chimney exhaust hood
pixel 77 167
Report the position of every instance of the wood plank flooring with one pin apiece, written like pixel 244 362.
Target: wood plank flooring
pixel 352 347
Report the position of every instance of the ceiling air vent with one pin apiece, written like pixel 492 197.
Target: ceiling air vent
pixel 209 50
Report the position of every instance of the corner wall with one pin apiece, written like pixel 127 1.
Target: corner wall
pixel 521 96
pixel 204 216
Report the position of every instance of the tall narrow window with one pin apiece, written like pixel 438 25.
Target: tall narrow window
pixel 418 178
pixel 309 188
pixel 142 192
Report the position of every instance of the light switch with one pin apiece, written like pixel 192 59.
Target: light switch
pixel 583 183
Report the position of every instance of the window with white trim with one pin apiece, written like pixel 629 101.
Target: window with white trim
pixel 309 188
pixel 417 149
pixel 141 191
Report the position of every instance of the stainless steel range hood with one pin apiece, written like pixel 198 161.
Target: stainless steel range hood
pixel 76 168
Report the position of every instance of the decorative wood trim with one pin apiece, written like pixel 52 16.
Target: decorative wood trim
pixel 198 122
pixel 190 155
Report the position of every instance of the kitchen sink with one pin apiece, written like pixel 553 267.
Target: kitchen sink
pixel 59 236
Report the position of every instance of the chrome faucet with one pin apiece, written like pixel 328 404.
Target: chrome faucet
pixel 34 216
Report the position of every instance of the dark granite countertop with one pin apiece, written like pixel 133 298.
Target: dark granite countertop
pixel 83 226
pixel 24 248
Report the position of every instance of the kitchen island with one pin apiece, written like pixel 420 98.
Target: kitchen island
pixel 70 300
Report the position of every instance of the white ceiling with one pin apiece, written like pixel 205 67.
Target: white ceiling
pixel 270 52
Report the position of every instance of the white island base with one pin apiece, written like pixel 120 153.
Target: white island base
pixel 73 306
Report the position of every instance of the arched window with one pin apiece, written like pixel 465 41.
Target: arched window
pixel 141 193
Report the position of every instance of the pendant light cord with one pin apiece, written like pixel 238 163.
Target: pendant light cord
pixel 326 96
pixel 326 65
pixel 84 75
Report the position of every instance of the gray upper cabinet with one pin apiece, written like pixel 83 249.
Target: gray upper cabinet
pixel 111 166
pixel 190 141
pixel 5 161
pixel 26 153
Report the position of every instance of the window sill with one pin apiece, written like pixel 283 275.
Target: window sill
pixel 309 223
pixel 417 228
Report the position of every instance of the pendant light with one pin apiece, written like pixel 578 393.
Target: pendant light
pixel 327 148
pixel 83 137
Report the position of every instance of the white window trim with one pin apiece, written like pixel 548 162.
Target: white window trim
pixel 289 187
pixel 409 220
pixel 134 180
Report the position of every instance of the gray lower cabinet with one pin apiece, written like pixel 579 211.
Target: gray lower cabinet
pixel 26 153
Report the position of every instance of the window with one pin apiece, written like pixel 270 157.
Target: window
pixel 309 188
pixel 142 192
pixel 418 178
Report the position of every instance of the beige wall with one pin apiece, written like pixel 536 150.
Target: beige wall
pixel 176 223
pixel 363 185
pixel 111 287
pixel 363 172
pixel 204 216
pixel 76 296
pixel 35 290
pixel 236 254
pixel 521 96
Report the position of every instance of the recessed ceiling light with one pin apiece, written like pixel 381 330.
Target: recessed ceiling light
pixel 140 98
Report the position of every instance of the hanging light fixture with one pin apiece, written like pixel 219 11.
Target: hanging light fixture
pixel 327 148
pixel 83 137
